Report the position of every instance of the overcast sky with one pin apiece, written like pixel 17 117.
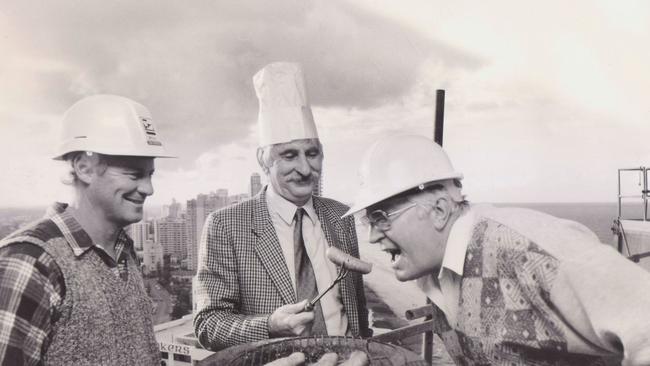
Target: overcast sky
pixel 545 100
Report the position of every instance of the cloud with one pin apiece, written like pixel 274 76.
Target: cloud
pixel 226 166
pixel 192 65
pixel 527 102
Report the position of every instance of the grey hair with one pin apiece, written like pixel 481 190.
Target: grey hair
pixel 435 187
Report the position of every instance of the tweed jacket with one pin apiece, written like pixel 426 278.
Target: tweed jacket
pixel 243 277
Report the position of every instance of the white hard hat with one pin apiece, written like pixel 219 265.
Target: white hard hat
pixel 110 125
pixel 285 113
pixel 398 163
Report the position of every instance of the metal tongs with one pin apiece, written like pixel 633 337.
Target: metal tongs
pixel 342 273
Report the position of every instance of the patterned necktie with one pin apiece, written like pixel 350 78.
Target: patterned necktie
pixel 306 287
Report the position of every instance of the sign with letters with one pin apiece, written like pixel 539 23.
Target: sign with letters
pixel 181 349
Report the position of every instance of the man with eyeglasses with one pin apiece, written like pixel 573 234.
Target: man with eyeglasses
pixel 508 285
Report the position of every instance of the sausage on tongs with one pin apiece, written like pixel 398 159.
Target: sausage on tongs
pixel 346 263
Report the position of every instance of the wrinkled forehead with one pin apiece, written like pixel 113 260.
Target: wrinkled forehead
pixel 300 145
pixel 389 204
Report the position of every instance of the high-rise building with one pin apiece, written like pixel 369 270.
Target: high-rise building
pixel 237 198
pixel 164 211
pixel 197 211
pixel 152 255
pixel 139 232
pixel 256 184
pixel 220 198
pixel 318 187
pixel 171 234
pixel 172 210
pixel 193 218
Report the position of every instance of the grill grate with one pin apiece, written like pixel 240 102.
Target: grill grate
pixel 379 354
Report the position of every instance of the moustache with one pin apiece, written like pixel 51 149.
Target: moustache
pixel 301 178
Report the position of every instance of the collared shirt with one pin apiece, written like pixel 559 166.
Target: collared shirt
pixel 282 215
pixel 540 289
pixel 444 290
pixel 32 287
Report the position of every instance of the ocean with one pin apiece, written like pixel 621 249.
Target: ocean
pixel 599 217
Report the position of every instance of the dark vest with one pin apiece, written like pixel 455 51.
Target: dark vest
pixel 103 319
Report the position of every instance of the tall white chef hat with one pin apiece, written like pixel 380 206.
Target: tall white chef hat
pixel 285 113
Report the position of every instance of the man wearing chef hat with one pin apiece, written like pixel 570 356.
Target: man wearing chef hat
pixel 261 260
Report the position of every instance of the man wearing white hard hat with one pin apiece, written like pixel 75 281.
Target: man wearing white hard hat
pixel 509 286
pixel 261 260
pixel 71 292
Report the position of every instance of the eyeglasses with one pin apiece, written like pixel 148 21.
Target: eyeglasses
pixel 379 218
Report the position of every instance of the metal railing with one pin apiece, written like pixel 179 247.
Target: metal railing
pixel 644 191
pixel 618 228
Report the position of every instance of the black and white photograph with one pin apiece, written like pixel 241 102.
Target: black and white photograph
pixel 313 182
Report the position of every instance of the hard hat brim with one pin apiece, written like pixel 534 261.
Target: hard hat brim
pixel 61 155
pixel 366 200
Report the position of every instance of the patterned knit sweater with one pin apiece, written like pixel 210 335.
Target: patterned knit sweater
pixel 522 303
pixel 104 320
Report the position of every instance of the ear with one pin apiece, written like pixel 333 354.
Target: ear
pixel 84 167
pixel 441 212
pixel 260 160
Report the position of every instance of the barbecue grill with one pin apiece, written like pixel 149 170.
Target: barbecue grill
pixel 260 353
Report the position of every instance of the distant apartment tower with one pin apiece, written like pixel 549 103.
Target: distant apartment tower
pixel 164 211
pixel 197 211
pixel 152 256
pixel 172 210
pixel 318 187
pixel 234 199
pixel 256 184
pixel 220 198
pixel 139 232
pixel 171 234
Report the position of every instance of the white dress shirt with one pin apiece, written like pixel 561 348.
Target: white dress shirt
pixel 282 215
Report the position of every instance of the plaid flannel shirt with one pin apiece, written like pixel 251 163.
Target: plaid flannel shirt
pixel 32 288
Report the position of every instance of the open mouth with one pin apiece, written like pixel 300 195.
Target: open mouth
pixel 394 252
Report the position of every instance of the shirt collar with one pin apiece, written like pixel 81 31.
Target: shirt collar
pixel 456 248
pixel 287 209
pixel 78 239
pixel 453 261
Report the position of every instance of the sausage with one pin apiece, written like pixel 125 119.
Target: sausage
pixel 353 264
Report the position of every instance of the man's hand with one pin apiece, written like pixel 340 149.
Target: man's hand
pixel 290 320
pixel 357 358
pixel 294 359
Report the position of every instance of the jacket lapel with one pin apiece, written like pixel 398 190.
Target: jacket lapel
pixel 332 226
pixel 268 250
